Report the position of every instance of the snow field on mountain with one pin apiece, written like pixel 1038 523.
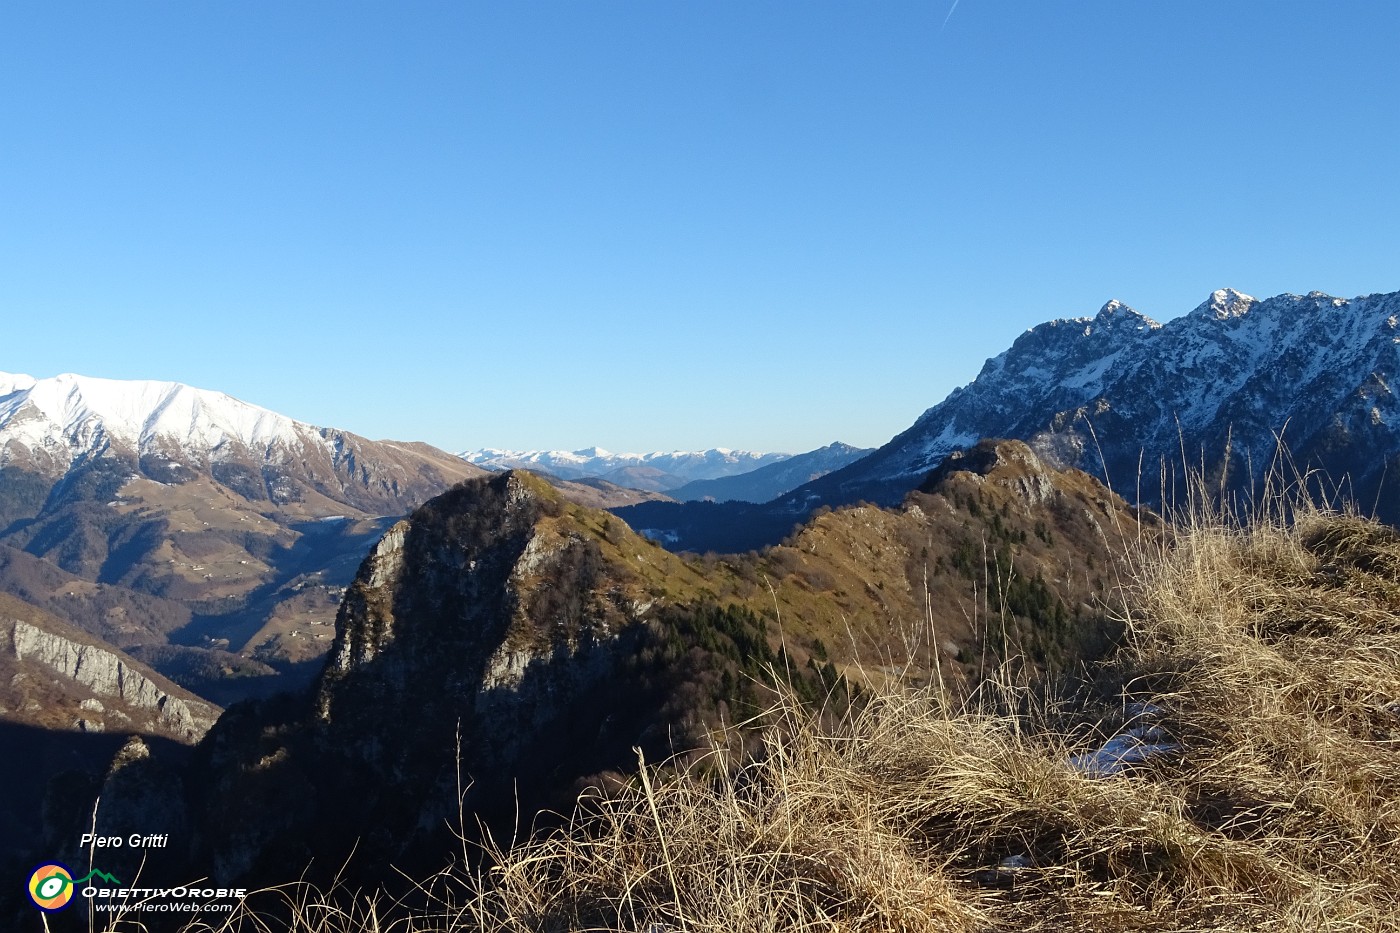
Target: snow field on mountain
pixel 82 412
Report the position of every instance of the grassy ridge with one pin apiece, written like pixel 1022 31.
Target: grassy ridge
pixel 1267 658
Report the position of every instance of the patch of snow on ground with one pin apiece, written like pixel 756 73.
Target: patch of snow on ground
pixel 1138 742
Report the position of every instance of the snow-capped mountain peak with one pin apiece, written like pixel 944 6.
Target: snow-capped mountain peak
pixel 110 432
pixel 85 413
pixel 14 382
pixel 1225 303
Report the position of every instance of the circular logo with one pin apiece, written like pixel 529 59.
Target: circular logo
pixel 51 886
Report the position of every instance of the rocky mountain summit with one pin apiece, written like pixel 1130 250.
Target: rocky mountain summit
pixel 490 641
pixel 1229 390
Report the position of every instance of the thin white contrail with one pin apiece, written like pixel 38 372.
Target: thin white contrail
pixel 949 16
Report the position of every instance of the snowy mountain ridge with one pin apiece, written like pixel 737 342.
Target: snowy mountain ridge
pixel 769 482
pixel 1118 393
pixel 96 435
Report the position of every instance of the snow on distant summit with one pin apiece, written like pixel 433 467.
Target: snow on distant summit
pixel 1225 303
pixel 678 467
pixel 14 382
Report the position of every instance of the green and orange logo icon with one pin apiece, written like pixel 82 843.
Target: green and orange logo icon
pixel 51 885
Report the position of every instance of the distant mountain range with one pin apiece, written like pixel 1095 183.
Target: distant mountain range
pixel 661 471
pixel 773 480
pixel 1128 399
pixel 717 474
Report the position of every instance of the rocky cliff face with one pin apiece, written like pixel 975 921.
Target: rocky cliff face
pixel 109 675
pixel 59 677
pixel 491 607
pixel 68 703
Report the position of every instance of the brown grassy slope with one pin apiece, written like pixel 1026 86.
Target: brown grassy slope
pixel 997 556
pixel 1273 655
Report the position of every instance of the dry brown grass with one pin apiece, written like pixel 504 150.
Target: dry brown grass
pixel 1274 649
pixel 1271 654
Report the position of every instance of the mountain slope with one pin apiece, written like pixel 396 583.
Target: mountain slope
pixel 1129 399
pixel 247 522
pixel 508 639
pixel 56 676
pixel 174 434
pixel 68 702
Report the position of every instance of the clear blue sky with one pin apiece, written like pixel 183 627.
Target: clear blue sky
pixel 660 225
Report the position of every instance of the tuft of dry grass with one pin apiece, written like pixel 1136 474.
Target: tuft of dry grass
pixel 1264 657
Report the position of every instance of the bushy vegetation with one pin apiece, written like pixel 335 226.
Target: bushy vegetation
pixel 1260 663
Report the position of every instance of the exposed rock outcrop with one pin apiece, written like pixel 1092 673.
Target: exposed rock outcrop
pixel 481 646
pixel 59 677
pixel 109 674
